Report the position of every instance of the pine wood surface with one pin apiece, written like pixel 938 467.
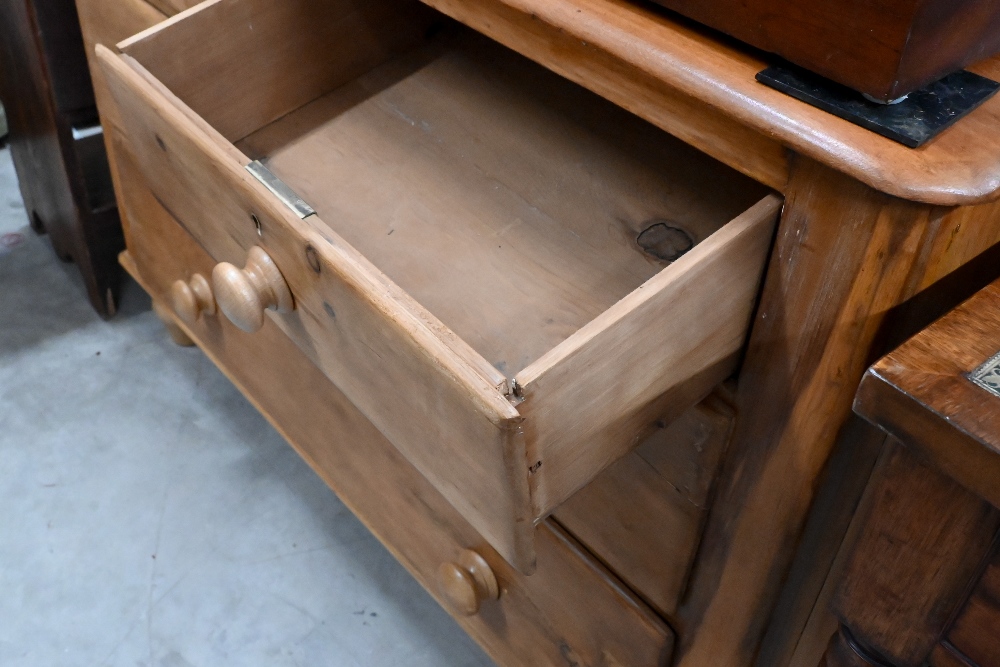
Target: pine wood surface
pixel 295 50
pixel 811 330
pixel 380 345
pixel 630 53
pixel 570 609
pixel 515 228
pixel 107 22
pixel 649 357
pixel 644 515
pixel 377 341
pixel 811 343
pixel 802 624
pixel 171 7
pixel 952 282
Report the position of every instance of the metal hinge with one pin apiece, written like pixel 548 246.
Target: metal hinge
pixel 280 190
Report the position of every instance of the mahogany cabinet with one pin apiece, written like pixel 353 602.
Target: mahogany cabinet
pixel 922 578
pixel 56 141
pixel 883 49
pixel 566 306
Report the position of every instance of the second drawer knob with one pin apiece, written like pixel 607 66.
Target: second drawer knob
pixel 468 583
pixel 244 294
pixel 192 298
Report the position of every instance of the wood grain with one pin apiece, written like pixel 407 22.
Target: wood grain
pixel 885 49
pixel 516 227
pixel 358 327
pixel 197 173
pixel 922 543
pixel 107 22
pixel 651 355
pixel 644 515
pixel 920 394
pixel 46 90
pixel 570 609
pixel 171 7
pixel 945 655
pixel 192 298
pixel 295 50
pixel 974 633
pixel 702 89
pixel 811 342
pixel 802 624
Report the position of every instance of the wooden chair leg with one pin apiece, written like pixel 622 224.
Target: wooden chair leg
pixel 176 333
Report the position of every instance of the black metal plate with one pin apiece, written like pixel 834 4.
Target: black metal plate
pixel 924 114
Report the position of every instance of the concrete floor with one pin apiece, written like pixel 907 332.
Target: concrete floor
pixel 151 517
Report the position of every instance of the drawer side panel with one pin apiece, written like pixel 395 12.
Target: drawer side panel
pixel 651 356
pixel 241 64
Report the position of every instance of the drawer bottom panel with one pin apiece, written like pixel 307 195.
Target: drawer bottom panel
pixel 571 611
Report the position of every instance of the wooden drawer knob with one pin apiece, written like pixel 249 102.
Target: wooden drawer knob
pixel 468 583
pixel 192 298
pixel 244 294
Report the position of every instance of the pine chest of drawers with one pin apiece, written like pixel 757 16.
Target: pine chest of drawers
pixel 511 277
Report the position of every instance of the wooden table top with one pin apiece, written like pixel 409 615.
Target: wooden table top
pixel 960 166
pixel 929 394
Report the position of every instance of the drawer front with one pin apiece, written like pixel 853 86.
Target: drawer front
pixel 367 335
pixel 505 449
pixel 570 610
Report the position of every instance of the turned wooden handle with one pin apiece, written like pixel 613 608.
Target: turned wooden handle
pixel 468 583
pixel 192 298
pixel 244 294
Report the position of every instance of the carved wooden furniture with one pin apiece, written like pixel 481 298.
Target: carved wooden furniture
pixel 522 322
pixel 884 49
pixel 56 142
pixel 922 580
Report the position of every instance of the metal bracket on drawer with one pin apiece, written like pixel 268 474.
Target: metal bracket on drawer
pixel 280 189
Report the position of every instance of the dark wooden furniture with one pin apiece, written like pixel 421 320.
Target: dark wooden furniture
pixel 56 141
pixel 922 581
pixel 884 49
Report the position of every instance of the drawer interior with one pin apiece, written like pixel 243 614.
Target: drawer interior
pixel 512 204
pixel 524 278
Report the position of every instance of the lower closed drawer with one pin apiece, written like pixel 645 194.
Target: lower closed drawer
pixel 510 277
pixel 570 611
pixel 644 515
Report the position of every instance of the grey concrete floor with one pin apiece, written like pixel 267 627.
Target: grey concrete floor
pixel 150 516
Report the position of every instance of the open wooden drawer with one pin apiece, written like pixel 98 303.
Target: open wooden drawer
pixel 499 272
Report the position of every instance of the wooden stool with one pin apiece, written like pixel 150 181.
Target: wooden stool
pixel 922 582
